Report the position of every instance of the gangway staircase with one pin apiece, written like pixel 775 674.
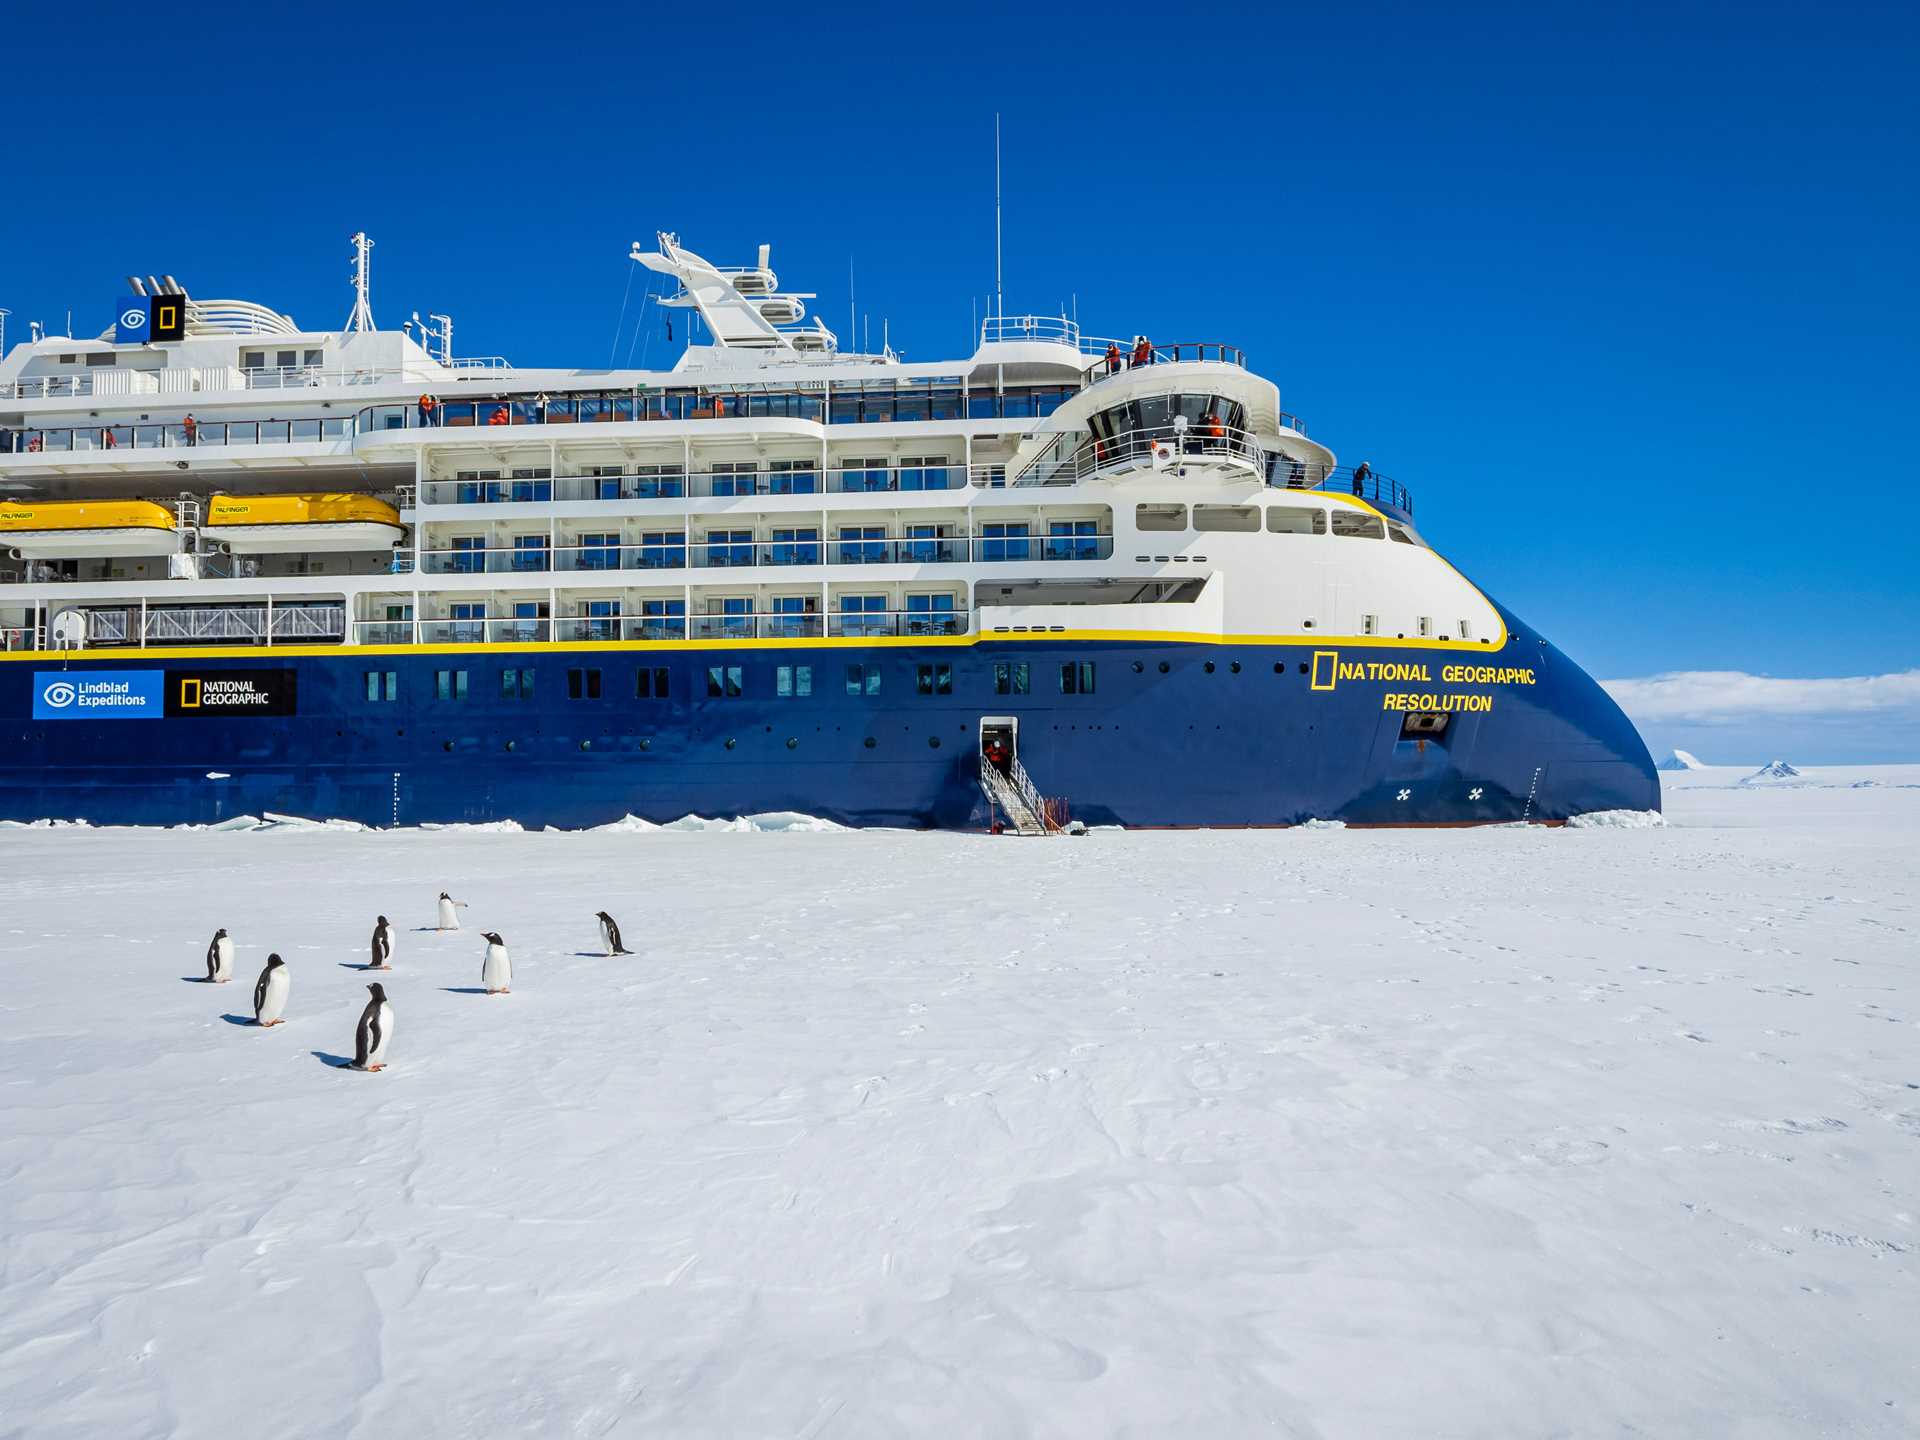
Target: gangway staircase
pixel 1014 793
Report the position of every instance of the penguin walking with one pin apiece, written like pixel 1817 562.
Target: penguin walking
pixel 375 1033
pixel 270 992
pixel 610 934
pixel 496 971
pixel 220 959
pixel 450 909
pixel 382 946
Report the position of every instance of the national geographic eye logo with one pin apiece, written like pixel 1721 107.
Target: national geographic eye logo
pixel 59 695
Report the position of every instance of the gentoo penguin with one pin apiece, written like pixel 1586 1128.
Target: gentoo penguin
pixel 496 971
pixel 382 946
pixel 270 992
pixel 610 935
pixel 450 911
pixel 220 959
pixel 370 1041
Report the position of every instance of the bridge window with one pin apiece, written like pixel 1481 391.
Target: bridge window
pixel 933 679
pixel 1160 517
pixel 1296 520
pixel 516 684
pixel 1242 519
pixel 1076 678
pixel 1011 678
pixel 583 684
pixel 793 681
pixel 383 686
pixel 1356 526
pixel 449 684
pixel 1399 533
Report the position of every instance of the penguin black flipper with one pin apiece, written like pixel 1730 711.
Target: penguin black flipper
pixel 260 993
pixel 213 958
pixel 366 1037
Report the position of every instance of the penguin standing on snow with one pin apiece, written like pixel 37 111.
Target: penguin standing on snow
pixel 450 909
pixel 375 1034
pixel 382 946
pixel 610 935
pixel 496 971
pixel 220 959
pixel 270 992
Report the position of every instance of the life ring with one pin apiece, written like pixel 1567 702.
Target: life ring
pixel 1162 452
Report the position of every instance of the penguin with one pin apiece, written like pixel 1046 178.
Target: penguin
pixel 375 1032
pixel 270 992
pixel 496 971
pixel 220 959
pixel 382 946
pixel 610 934
pixel 450 909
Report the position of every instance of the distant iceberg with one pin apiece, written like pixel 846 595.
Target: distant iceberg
pixel 1681 760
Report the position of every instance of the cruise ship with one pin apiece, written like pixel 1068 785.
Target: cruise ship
pixel 1064 580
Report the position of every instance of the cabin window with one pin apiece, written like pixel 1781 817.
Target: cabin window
pixel 1466 630
pixel 583 684
pixel 863 679
pixel 1239 519
pixel 933 679
pixel 516 684
pixel 1426 627
pixel 1399 533
pixel 1011 678
pixel 1296 520
pixel 383 686
pixel 650 682
pixel 723 682
pixel 1160 517
pixel 106 359
pixel 1369 624
pixel 1076 678
pixel 1356 526
pixel 793 682
pixel 449 684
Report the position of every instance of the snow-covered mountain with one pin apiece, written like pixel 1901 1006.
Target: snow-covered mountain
pixel 1680 760
pixel 1773 770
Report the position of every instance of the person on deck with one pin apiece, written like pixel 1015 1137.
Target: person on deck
pixel 499 415
pixel 428 405
pixel 1361 474
pixel 1113 357
pixel 1142 352
pixel 192 427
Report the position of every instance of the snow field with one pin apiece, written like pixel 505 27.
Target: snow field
pixel 1321 1132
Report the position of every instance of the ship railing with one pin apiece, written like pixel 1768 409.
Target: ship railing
pixel 586 629
pixel 1130 355
pixel 700 484
pixel 1156 446
pixel 19 637
pixel 1361 481
pixel 1059 330
pixel 679 554
pixel 202 434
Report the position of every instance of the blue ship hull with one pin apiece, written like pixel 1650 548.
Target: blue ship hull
pixel 1297 731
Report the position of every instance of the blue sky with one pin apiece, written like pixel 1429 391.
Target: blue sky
pixel 1628 298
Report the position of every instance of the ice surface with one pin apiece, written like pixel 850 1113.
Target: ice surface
pixel 1618 820
pixel 1344 1133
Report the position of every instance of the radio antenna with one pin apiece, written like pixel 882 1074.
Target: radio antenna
pixel 999 291
pixel 362 317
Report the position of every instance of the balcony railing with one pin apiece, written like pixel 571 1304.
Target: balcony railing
pixel 699 484
pixel 1129 354
pixel 1163 446
pixel 589 629
pixel 756 554
pixel 1361 481
pixel 202 434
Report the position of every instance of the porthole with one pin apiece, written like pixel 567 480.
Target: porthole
pixel 792 743
pixel 869 742
pixel 586 744
pixel 933 742
pixel 646 744
pixel 1234 667
pixel 513 745
pixel 1303 667
pixel 1279 667
pixel 1164 667
pixel 1138 666
pixel 447 745
pixel 731 743
pixel 1209 667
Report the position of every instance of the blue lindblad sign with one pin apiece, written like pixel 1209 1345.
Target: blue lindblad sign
pixel 131 321
pixel 99 694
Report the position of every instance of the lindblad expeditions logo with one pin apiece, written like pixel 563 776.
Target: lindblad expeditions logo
pixel 96 695
pixel 59 695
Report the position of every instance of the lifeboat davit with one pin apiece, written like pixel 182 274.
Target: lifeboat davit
pixel 105 528
pixel 268 524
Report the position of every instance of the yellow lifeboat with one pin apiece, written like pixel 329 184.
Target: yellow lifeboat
pixel 264 524
pixel 57 529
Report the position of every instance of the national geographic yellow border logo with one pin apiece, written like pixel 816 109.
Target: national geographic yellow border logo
pixel 189 694
pixel 1326 669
